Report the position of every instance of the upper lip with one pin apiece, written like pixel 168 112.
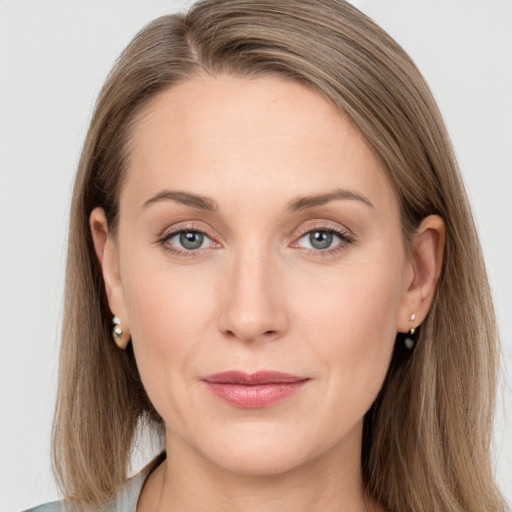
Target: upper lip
pixel 259 377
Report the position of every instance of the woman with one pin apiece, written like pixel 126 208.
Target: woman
pixel 269 222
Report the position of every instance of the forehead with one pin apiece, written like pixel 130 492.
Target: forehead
pixel 231 135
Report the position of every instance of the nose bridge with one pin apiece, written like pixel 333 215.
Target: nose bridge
pixel 252 306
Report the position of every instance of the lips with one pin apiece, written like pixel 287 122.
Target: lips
pixel 256 390
pixel 248 379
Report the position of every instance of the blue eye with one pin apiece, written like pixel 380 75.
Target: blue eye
pixel 188 240
pixel 321 239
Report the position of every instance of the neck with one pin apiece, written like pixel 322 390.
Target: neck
pixel 189 482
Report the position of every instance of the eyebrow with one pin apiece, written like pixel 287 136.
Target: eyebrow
pixel 301 203
pixel 186 198
pixel 297 204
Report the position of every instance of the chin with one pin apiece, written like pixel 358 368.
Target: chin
pixel 262 452
pixel 269 462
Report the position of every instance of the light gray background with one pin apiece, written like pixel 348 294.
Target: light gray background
pixel 54 56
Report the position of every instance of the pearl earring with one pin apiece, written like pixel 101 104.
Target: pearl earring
pixel 409 340
pixel 121 337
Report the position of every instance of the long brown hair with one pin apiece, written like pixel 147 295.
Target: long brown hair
pixel 427 437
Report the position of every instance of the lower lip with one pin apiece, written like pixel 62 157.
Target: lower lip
pixel 255 396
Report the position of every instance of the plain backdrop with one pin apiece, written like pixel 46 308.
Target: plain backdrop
pixel 54 57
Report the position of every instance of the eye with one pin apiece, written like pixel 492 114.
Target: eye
pixel 188 240
pixel 323 240
pixel 319 239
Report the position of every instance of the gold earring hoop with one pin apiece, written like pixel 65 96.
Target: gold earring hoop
pixel 409 341
pixel 121 337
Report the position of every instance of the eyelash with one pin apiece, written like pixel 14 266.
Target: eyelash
pixel 344 236
pixel 164 239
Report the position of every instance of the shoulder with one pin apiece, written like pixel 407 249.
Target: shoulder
pixel 55 506
pixel 125 501
pixel 58 506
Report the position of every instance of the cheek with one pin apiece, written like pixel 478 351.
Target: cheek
pixel 351 324
pixel 168 311
pixel 162 298
pixel 356 304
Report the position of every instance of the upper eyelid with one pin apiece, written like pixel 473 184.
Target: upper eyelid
pixel 326 226
pixel 189 226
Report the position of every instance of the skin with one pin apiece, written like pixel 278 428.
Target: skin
pixel 257 294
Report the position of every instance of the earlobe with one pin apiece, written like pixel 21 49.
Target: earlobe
pixel 426 260
pixel 106 253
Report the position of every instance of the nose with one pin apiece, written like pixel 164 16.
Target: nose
pixel 253 299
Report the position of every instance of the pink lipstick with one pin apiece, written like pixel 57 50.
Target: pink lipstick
pixel 256 390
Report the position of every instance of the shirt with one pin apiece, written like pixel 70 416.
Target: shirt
pixel 125 501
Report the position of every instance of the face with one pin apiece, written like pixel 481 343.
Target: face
pixel 257 233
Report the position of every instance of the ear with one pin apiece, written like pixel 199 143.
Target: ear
pixel 422 273
pixel 107 255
